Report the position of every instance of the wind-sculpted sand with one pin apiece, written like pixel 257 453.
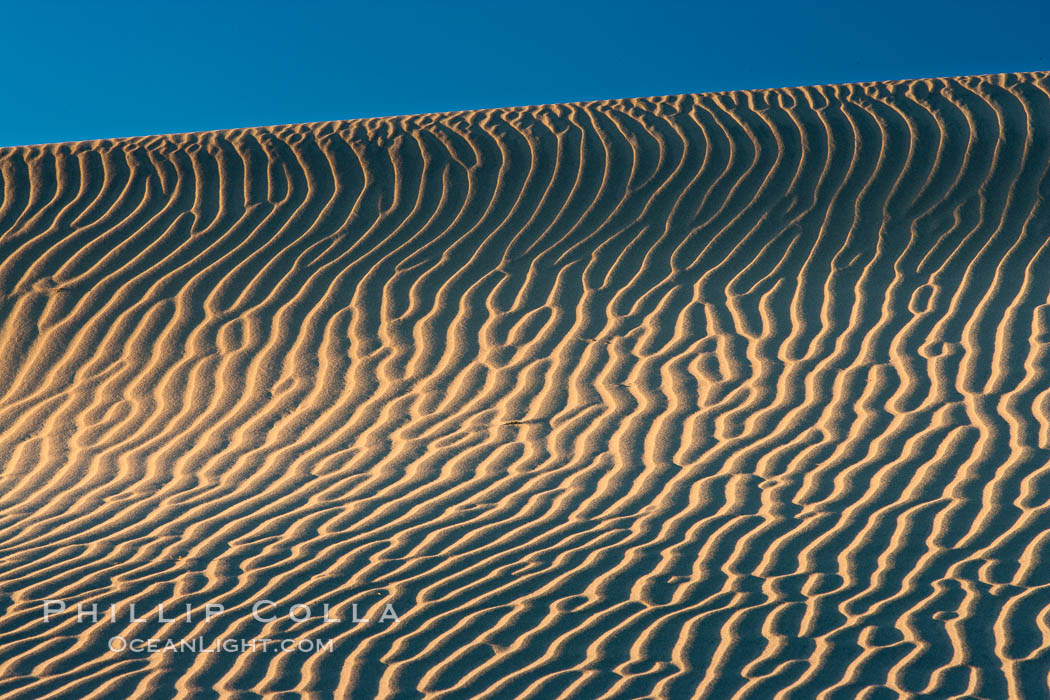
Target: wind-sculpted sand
pixel 732 395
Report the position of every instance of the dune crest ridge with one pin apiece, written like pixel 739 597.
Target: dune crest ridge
pixel 743 394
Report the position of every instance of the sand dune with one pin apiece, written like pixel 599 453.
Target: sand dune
pixel 732 395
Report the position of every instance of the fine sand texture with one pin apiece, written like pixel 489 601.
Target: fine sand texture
pixel 736 395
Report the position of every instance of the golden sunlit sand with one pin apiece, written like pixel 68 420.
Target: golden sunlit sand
pixel 740 395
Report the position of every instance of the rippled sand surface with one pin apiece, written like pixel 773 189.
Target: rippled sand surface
pixel 732 395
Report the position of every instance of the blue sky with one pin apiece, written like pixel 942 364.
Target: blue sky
pixel 94 70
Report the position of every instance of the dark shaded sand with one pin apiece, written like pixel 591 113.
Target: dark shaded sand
pixel 733 395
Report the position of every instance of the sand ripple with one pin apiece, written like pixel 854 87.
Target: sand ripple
pixel 732 395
